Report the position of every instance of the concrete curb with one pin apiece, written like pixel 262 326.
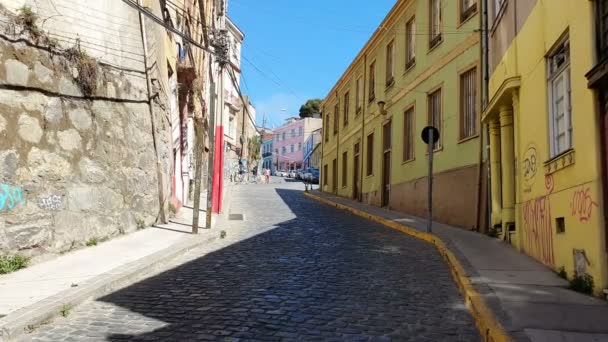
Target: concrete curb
pixel 19 322
pixel 489 328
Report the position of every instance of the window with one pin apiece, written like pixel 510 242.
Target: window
pixel 324 175
pixel 359 95
pixel 344 168
pixel 299 146
pixel 560 115
pixel 276 150
pixel 468 104
pixel 283 136
pixel 370 154
pixel 372 82
pixel 434 114
pixel 326 127
pixel 293 132
pixel 277 137
pixel 284 150
pixel 410 43
pixel 602 27
pixel 292 148
pixel 434 23
pixel 346 103
pixel 390 56
pixel 467 9
pixel 336 118
pixel 300 131
pixel 408 134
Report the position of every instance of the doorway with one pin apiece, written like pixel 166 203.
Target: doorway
pixel 386 164
pixel 334 176
pixel 356 190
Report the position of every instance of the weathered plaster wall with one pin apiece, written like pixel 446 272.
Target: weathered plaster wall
pixel 72 167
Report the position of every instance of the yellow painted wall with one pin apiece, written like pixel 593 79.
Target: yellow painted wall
pixel 437 67
pixel 542 196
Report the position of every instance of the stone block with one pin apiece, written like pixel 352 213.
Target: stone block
pixel 67 87
pixel 17 73
pixel 70 140
pixel 3 125
pixel 32 233
pixel 75 228
pixel 90 198
pixel 33 101
pixel 103 110
pixel 53 112
pixel 9 161
pixel 81 119
pixel 48 165
pixel 43 74
pixel 91 171
pixel 29 129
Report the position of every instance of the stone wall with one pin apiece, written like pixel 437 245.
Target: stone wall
pixel 73 167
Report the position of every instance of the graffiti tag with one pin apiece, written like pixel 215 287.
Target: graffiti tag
pixel 10 196
pixel 530 163
pixel 582 204
pixel 539 229
pixel 52 202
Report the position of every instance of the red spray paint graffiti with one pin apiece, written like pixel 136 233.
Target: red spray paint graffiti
pixel 582 204
pixel 538 226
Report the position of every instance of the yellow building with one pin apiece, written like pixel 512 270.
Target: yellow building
pixel 421 66
pixel 546 169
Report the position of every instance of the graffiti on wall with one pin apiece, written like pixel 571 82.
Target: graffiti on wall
pixel 10 196
pixel 538 225
pixel 52 202
pixel 582 204
pixel 529 163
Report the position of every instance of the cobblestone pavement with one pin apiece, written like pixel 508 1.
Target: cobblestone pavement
pixel 294 269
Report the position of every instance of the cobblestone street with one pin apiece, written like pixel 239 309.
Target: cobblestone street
pixel 293 269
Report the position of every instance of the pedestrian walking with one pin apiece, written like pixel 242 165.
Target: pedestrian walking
pixel 267 174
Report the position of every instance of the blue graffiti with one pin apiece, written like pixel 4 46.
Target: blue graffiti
pixel 10 196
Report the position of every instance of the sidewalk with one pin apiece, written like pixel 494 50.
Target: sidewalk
pixel 529 300
pixel 38 293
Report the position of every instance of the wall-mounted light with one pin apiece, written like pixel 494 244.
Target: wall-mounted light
pixel 381 105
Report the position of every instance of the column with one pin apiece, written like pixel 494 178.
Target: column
pixel 507 163
pixel 495 172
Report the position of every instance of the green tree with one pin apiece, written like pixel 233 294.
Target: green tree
pixel 311 107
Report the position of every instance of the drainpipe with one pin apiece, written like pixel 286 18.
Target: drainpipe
pixel 159 175
pixel 484 62
pixel 323 132
pixel 362 143
pixel 486 101
pixel 337 119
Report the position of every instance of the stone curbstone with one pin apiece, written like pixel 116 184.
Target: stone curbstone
pixel 489 328
pixel 17 323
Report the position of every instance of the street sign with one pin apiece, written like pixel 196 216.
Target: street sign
pixel 430 136
pixel 426 134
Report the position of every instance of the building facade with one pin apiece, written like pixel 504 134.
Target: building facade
pixel 268 151
pixel 289 142
pixel 309 146
pixel 400 82
pixel 546 141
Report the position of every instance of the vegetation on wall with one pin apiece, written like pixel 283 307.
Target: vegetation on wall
pixel 310 108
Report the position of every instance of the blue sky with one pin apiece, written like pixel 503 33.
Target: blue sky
pixel 297 49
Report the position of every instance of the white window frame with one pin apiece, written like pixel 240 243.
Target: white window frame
pixel 410 42
pixel 556 73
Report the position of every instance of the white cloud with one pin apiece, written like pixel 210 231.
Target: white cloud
pixel 272 107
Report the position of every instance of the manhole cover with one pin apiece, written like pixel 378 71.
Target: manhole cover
pixel 235 217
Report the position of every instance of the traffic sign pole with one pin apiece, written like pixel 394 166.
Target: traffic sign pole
pixel 429 224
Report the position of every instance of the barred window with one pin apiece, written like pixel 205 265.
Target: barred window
pixel 468 104
pixel 435 115
pixel 408 134
pixel 344 168
pixel 346 105
pixel 390 56
pixel 434 23
pixel 410 43
pixel 372 82
pixel 336 118
pixel 370 154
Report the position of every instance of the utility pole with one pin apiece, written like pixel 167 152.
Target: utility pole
pixel 220 42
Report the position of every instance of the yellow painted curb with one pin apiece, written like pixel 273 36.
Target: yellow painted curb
pixel 489 328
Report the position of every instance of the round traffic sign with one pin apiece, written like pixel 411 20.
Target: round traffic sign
pixel 426 134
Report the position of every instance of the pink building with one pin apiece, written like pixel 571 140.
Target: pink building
pixel 289 142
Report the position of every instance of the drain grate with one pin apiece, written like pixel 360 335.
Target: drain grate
pixel 235 217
